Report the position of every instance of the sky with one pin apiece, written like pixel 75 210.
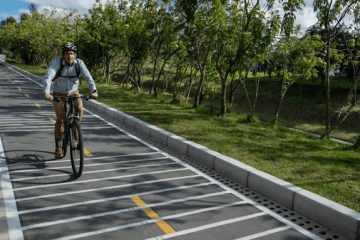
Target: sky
pixel 306 17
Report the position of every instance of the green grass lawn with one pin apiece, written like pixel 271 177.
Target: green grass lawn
pixel 320 166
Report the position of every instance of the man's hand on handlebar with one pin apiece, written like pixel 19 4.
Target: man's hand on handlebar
pixel 94 95
pixel 48 97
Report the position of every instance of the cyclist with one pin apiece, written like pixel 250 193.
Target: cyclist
pixel 62 79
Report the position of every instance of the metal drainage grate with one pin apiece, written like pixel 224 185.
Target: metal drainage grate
pixel 282 211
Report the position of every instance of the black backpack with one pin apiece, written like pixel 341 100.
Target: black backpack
pixel 58 73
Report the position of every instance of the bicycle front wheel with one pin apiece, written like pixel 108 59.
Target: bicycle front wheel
pixel 76 148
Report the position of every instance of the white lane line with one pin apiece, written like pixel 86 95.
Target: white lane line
pixel 105 188
pixel 93 180
pixel 25 76
pixel 266 233
pixel 155 220
pixel 123 210
pixel 106 170
pixel 12 214
pixel 113 198
pixel 239 195
pixel 86 159
pixel 87 165
pixel 208 226
pixel 22 121
pixel 48 129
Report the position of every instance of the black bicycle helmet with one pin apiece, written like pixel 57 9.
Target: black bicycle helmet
pixel 68 46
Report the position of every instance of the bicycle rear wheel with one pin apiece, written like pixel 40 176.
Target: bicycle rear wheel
pixel 76 149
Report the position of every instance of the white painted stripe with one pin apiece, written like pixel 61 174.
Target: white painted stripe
pixel 266 233
pixel 25 77
pixel 93 158
pixel 152 221
pixel 22 121
pixel 12 215
pixel 113 198
pixel 105 188
pixel 24 126
pixel 49 129
pixel 208 226
pixel 123 210
pixel 94 180
pixel 87 165
pixel 97 171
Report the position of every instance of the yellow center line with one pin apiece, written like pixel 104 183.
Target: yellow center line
pixel 26 95
pixel 153 215
pixel 38 105
pixel 86 152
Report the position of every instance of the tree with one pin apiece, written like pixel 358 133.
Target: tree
pixel 244 33
pixel 33 8
pixel 331 13
pixel 104 37
pixel 301 54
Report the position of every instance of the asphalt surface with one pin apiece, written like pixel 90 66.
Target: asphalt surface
pixel 128 190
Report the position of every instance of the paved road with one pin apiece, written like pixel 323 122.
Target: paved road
pixel 129 189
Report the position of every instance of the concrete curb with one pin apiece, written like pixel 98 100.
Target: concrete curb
pixel 334 216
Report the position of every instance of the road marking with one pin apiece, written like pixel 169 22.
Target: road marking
pixel 91 180
pixel 106 188
pixel 12 214
pixel 88 165
pixel 45 224
pixel 113 198
pixel 38 105
pixel 212 225
pixel 154 220
pixel 266 233
pixel 95 158
pixel 37 129
pixel 107 170
pixel 153 215
pixel 88 153
pixel 26 95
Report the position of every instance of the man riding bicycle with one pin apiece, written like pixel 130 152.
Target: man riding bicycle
pixel 62 78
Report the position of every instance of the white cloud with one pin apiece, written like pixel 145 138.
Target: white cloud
pixel 24 11
pixel 4 15
pixel 81 6
pixel 306 18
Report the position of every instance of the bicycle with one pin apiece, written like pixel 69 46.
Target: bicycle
pixel 71 125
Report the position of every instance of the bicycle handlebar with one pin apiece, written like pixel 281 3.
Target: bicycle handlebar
pixel 86 97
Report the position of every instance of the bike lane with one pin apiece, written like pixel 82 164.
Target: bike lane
pixel 130 189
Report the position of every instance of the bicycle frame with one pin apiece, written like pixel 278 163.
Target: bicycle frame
pixel 72 134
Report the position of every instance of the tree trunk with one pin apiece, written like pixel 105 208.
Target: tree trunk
pixel 161 70
pixel 223 97
pixel 277 112
pixel 199 89
pixel 154 68
pixel 328 80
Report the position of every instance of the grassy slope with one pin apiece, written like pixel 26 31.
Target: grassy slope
pixel 323 167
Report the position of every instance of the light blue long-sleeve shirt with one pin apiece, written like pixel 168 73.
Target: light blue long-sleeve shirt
pixel 64 84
